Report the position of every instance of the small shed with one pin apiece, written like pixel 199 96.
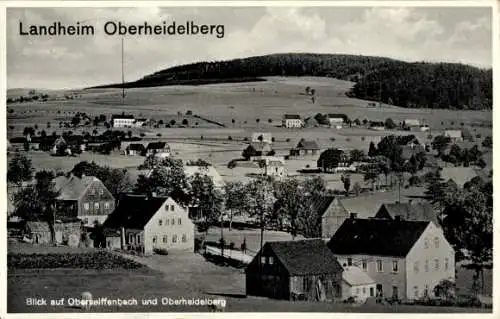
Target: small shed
pixel 305 147
pixel 39 232
pixel 356 283
pixel 295 270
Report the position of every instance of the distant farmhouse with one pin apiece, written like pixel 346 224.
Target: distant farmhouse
pixel 209 171
pixel 273 167
pixel 135 149
pixel 85 198
pixel 305 147
pixel 123 120
pixel 412 211
pixel 158 149
pixel 406 259
pixel 292 121
pixel 412 124
pixel 262 137
pixel 295 270
pixel 145 223
pixel 337 119
pixel 454 135
pixel 257 149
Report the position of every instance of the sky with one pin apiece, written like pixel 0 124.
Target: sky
pixel 435 34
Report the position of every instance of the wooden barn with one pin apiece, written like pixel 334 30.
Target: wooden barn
pixel 295 270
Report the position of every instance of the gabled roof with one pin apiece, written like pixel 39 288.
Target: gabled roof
pixel 157 146
pixel 260 146
pixel 291 117
pixel 321 203
pixel 72 187
pixel 307 145
pixel 411 211
pixel 337 116
pixel 305 257
pixel 354 276
pixel 274 163
pixel 136 147
pixel 122 116
pixel 377 237
pixel 134 211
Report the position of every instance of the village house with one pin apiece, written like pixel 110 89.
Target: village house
pixel 145 223
pixel 140 122
pixel 295 270
pixel 305 148
pixel 134 149
pixel 412 211
pixel 38 232
pixel 454 135
pixel 158 149
pixel 292 121
pixel 123 120
pixel 257 149
pixel 274 168
pixel 411 124
pixel 337 119
pixel 356 283
pixel 332 214
pixel 209 171
pixel 466 134
pixel 85 198
pixel 407 259
pixel 262 137
pixel 66 233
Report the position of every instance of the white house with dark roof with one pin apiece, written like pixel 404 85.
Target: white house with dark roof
pixel 123 120
pixel 292 121
pixel 145 223
pixel 158 149
pixel 356 283
pixel 454 135
pixel 407 259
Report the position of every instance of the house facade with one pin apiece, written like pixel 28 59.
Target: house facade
pixel 356 283
pixel 305 147
pixel 295 270
pixel 123 120
pixel 148 223
pixel 336 119
pixel 85 198
pixel 274 168
pixel 407 268
pixel 158 149
pixel 292 121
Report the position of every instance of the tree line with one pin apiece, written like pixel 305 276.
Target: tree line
pixel 420 85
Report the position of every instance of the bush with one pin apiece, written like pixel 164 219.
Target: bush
pixel 229 138
pixel 91 260
pixel 160 251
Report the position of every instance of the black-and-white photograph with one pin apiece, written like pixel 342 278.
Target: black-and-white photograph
pixel 250 159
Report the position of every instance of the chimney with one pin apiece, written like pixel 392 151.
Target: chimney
pixel 353 216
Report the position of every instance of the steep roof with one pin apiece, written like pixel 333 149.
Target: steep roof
pixel 378 237
pixel 134 211
pixel 291 117
pixel 72 187
pixel 307 145
pixel 157 146
pixel 411 211
pixel 305 257
pixel 354 276
pixel 321 203
pixel 136 147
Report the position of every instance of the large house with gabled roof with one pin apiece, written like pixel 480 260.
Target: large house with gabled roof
pixel 146 223
pixel 85 198
pixel 406 259
pixel 292 121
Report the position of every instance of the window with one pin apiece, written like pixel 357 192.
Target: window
pixel 154 239
pixel 101 191
pixel 415 267
pixel 426 291
pixel 395 266
pixel 173 221
pixel 364 265
pixel 379 266
pixel 436 264
pixel 165 239
pixel 415 292
pixel 86 206
pixel 96 205
pixel 166 208
pixel 270 260
pixel 364 291
pixel 160 222
pixel 138 239
pixel 263 260
pixel 106 205
pixel 427 266
pixel 436 242
pixel 130 238
pixel 184 238
pixel 172 207
pixel 167 222
pixel 349 261
pixel 426 243
pixel 91 191
pixel 446 264
pixel 179 221
pixel 357 291
pixel 174 238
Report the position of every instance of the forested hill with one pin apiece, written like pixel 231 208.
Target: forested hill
pixel 436 85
